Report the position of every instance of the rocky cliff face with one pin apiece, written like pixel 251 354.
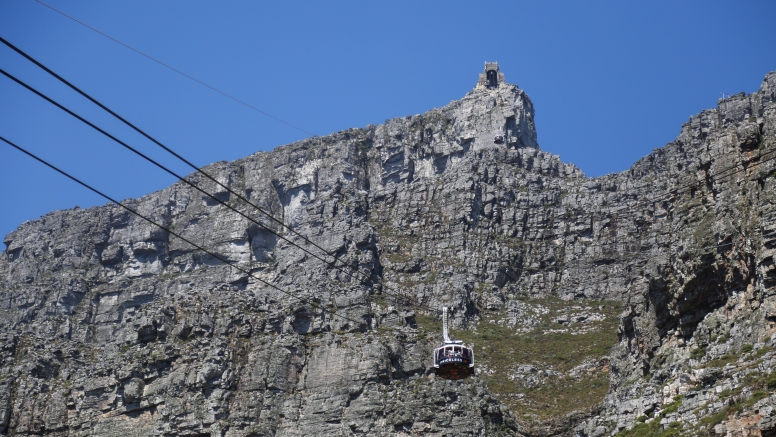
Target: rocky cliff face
pixel 111 326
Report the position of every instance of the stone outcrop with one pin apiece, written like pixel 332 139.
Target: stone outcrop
pixel 112 326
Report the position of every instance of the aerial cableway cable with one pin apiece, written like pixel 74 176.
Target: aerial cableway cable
pixel 332 264
pixel 172 152
pixel 171 232
pixel 176 70
pixel 447 366
pixel 183 179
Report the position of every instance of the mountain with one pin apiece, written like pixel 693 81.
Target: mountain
pixel 639 303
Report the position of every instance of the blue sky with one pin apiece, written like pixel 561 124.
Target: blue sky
pixel 610 80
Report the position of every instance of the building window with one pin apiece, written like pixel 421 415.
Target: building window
pixel 492 79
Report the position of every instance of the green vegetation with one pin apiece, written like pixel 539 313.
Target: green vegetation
pixel 169 275
pixel 745 349
pixel 770 382
pixel 397 257
pixel 756 396
pixel 499 349
pixel 722 361
pixel 698 353
pixel 762 351
pixel 428 323
pixel 709 422
pixel 673 407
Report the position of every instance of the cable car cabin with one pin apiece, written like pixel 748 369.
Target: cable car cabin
pixel 453 360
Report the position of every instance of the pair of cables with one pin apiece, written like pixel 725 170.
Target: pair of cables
pixel 406 301
pixel 170 231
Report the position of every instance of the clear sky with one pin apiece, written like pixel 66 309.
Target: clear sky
pixel 610 80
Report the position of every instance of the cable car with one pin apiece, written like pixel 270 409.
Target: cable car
pixel 453 360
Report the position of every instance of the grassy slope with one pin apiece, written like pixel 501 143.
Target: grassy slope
pixel 499 350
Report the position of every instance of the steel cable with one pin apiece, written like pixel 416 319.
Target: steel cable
pixel 183 179
pixel 175 69
pixel 171 232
